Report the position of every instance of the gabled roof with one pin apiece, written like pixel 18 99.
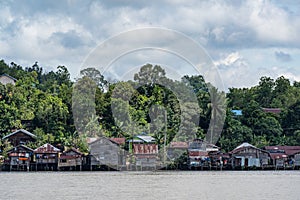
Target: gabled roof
pixel 47 148
pixel 20 130
pixel 146 138
pixel 246 145
pixel 9 77
pixel 66 155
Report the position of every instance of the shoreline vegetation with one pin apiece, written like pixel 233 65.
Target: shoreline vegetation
pixel 42 104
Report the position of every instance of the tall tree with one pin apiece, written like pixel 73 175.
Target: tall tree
pixel 96 76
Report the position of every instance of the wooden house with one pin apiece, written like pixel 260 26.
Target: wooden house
pixel 107 152
pixel 72 159
pixel 247 155
pixel 281 155
pixel 199 153
pixel 20 158
pixel 6 79
pixel 20 137
pixel 46 157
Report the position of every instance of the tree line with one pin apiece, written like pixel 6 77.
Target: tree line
pixel 169 110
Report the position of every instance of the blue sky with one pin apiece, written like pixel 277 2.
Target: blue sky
pixel 245 39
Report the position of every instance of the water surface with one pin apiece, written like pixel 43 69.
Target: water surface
pixel 232 185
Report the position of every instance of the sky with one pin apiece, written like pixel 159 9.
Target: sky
pixel 245 40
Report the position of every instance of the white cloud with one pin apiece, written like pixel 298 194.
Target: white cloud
pixel 229 59
pixel 273 24
pixel 64 33
pixel 235 71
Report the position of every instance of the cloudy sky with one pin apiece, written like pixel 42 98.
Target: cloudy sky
pixel 245 39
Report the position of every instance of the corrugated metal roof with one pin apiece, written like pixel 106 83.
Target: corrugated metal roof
pixel 146 138
pixel 288 150
pixel 277 155
pixel 135 140
pixel 142 139
pixel 246 145
pixel 47 148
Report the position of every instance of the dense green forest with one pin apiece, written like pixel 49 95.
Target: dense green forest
pixel 42 102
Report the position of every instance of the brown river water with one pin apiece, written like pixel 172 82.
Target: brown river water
pixel 231 185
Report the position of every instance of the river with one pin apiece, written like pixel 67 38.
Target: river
pixel 231 185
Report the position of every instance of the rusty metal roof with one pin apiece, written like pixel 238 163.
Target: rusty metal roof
pixel 179 145
pixel 47 148
pixel 119 141
pixel 288 150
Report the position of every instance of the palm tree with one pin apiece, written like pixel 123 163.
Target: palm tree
pixel 218 113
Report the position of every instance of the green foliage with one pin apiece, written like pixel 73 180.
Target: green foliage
pixel 179 110
pixel 5 146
